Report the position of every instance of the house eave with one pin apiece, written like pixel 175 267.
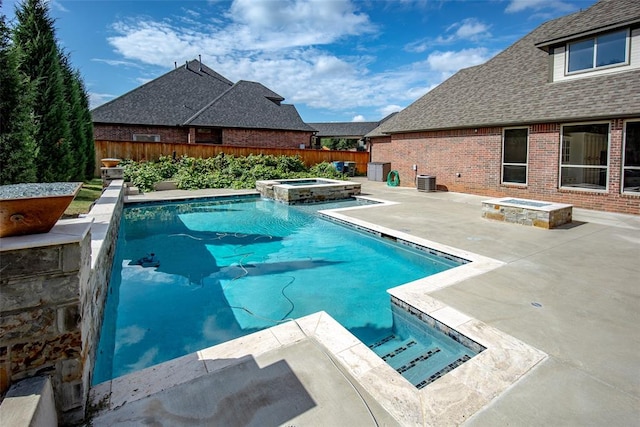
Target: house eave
pixel 566 119
pixel 546 44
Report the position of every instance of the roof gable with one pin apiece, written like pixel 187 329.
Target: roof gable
pixel 249 105
pixel 194 94
pixel 168 100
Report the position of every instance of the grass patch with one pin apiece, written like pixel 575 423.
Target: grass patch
pixel 89 193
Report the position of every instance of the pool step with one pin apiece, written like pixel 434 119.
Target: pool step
pixel 415 361
pixel 443 371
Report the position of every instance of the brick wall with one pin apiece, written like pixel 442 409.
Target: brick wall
pixel 232 137
pixel 125 132
pixel 265 138
pixel 475 154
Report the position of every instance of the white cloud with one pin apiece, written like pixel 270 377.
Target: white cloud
pixel 143 80
pixel 389 109
pixel 153 42
pixel 117 63
pixel 451 61
pixel 299 22
pixel 57 6
pixel 470 29
pixel 358 118
pixel 280 44
pixel 537 5
pixel 97 99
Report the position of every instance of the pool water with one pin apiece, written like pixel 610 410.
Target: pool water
pixel 230 267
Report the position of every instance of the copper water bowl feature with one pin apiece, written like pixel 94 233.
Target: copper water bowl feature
pixel 34 208
pixel 110 163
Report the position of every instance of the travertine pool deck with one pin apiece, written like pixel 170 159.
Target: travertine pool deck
pixel 567 298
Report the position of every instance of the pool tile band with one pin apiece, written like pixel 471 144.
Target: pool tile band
pixel 423 317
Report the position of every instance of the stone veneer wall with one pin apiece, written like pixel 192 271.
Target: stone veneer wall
pixel 105 214
pixel 52 293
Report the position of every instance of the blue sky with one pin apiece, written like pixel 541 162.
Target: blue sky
pixel 335 60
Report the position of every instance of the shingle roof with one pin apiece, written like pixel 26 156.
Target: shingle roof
pixel 249 105
pixel 195 95
pixel 604 15
pixel 344 129
pixel 168 100
pixel 513 88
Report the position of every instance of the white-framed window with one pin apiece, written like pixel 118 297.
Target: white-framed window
pixel 584 163
pixel 606 50
pixel 631 158
pixel 515 153
pixel 146 137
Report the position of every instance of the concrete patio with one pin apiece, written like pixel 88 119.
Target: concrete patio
pixel 570 292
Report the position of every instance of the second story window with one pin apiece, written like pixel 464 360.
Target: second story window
pixel 602 51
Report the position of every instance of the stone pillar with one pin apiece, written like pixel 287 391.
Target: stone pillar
pixel 40 311
pixel 111 174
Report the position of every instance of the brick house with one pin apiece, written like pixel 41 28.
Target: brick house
pixel 353 131
pixel 194 104
pixel 554 117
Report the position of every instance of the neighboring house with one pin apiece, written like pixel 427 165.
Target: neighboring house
pixel 345 130
pixel 354 131
pixel 554 117
pixel 194 104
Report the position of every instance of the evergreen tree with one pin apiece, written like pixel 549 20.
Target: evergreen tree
pixel 87 123
pixel 17 123
pixel 73 96
pixel 34 34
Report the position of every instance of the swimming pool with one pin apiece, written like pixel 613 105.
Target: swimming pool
pixel 231 267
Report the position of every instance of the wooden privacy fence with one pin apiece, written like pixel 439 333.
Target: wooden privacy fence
pixel 140 151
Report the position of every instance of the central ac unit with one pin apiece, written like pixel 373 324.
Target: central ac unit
pixel 426 183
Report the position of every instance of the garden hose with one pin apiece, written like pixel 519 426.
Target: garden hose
pixel 393 179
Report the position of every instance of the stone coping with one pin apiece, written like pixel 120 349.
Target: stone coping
pixel 450 400
pixel 308 182
pixel 536 205
pixel 65 231
pixel 28 403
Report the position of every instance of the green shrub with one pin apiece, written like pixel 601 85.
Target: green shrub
pixel 325 170
pixel 166 167
pixel 143 175
pixel 222 171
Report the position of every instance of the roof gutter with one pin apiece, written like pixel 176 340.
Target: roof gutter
pixel 544 45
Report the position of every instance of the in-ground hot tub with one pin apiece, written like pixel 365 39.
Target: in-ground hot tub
pixel 307 190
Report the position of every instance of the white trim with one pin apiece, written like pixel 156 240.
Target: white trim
pixel 605 167
pixel 594 58
pixel 502 162
pixel 622 166
pixel 560 62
